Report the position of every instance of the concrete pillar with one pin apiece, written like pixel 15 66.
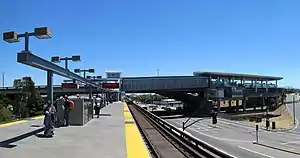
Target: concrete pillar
pixel 267 86
pixel 263 103
pixel 244 104
pixel 219 105
pixel 50 86
pixel 255 85
pixel 237 105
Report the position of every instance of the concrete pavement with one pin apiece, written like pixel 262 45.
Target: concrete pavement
pixel 237 139
pixel 102 137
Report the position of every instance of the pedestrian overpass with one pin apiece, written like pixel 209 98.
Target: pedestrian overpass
pixel 164 83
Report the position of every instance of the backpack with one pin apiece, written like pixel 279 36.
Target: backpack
pixel 71 104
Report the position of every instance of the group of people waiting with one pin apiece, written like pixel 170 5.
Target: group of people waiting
pixel 51 120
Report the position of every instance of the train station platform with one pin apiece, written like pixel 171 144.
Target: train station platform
pixel 113 135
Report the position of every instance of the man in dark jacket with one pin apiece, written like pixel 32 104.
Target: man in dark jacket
pixel 66 110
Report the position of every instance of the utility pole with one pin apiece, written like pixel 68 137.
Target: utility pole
pixel 157 71
pixel 294 109
pixel 3 80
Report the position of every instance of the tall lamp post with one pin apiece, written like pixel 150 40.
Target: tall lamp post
pixel 57 59
pixel 84 73
pixel 40 33
pixel 74 58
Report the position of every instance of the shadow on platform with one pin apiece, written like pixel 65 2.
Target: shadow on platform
pixel 8 143
pixel 103 115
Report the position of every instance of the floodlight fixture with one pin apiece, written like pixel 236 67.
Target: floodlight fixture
pixel 91 70
pixel 42 33
pixel 55 59
pixel 77 70
pixel 11 37
pixel 76 58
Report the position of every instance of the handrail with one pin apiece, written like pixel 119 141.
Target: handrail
pixel 194 141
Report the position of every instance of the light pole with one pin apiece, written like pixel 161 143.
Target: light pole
pixel 90 87
pixel 40 33
pixel 84 71
pixel 157 72
pixel 57 59
pixel 294 109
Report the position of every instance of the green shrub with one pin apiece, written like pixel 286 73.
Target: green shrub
pixel 5 115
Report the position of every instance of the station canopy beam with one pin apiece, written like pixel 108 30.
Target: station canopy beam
pixel 40 63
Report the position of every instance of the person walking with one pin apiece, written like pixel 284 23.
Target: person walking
pixel 97 106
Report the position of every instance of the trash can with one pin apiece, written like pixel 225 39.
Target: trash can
pixel 267 124
pixel 273 125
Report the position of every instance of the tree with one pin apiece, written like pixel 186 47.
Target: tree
pixel 29 96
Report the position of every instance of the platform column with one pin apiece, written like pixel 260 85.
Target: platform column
pixel 255 85
pixel 237 104
pixel 244 104
pixel 50 86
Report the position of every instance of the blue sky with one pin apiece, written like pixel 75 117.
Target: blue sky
pixel 178 37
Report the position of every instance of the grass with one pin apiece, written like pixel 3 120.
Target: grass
pixel 281 116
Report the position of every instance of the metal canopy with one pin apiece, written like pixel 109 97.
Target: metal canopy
pixel 40 63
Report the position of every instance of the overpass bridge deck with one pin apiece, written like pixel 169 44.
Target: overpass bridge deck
pixel 106 136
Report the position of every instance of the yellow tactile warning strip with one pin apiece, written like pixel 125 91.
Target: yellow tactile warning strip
pixel 21 121
pixel 135 145
pixel 13 123
pixel 38 117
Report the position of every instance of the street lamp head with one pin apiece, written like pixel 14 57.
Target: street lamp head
pixel 76 58
pixel 10 37
pixel 43 33
pixel 77 70
pixel 55 59
pixel 91 70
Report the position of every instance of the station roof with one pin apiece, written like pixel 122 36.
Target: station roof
pixel 238 76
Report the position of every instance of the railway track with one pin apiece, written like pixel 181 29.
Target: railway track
pixel 164 141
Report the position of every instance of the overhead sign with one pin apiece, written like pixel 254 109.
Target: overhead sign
pixel 110 85
pixel 113 74
pixel 70 85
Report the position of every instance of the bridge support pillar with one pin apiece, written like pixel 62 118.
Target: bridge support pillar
pixel 237 105
pixel 50 86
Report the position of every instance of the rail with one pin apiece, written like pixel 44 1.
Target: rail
pixel 196 144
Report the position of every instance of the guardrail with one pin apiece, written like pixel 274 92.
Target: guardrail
pixel 193 141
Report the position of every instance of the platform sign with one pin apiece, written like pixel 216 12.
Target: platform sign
pixel 70 85
pixel 110 85
pixel 112 74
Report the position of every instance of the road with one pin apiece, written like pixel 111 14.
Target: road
pixel 237 139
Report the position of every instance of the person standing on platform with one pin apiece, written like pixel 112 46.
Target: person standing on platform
pixel 66 110
pixel 49 120
pixel 97 107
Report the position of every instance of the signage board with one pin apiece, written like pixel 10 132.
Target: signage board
pixel 70 85
pixel 110 85
pixel 113 74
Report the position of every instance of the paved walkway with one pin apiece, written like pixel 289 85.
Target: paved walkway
pixel 103 137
